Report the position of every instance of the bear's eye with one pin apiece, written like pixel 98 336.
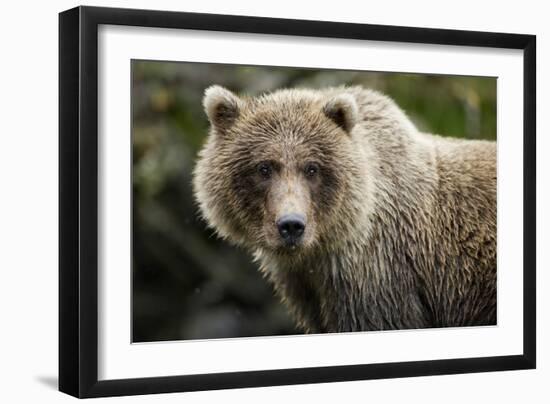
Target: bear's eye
pixel 311 170
pixel 264 169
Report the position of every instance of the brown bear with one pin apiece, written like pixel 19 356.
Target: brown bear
pixel 360 221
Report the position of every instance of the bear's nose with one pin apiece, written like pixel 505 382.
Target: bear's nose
pixel 291 227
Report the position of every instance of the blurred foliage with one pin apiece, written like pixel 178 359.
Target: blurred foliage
pixel 187 284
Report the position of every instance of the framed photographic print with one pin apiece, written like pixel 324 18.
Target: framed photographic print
pixel 251 201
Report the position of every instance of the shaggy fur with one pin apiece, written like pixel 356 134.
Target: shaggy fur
pixel 401 225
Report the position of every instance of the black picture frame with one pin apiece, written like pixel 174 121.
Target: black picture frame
pixel 78 200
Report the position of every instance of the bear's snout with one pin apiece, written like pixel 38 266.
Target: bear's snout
pixel 291 228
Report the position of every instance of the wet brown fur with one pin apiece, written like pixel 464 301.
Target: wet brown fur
pixel 401 225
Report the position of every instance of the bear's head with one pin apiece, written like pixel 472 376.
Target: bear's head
pixel 282 172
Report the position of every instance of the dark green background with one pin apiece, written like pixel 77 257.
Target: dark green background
pixel 187 284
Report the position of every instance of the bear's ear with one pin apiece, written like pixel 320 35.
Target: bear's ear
pixel 221 106
pixel 342 110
